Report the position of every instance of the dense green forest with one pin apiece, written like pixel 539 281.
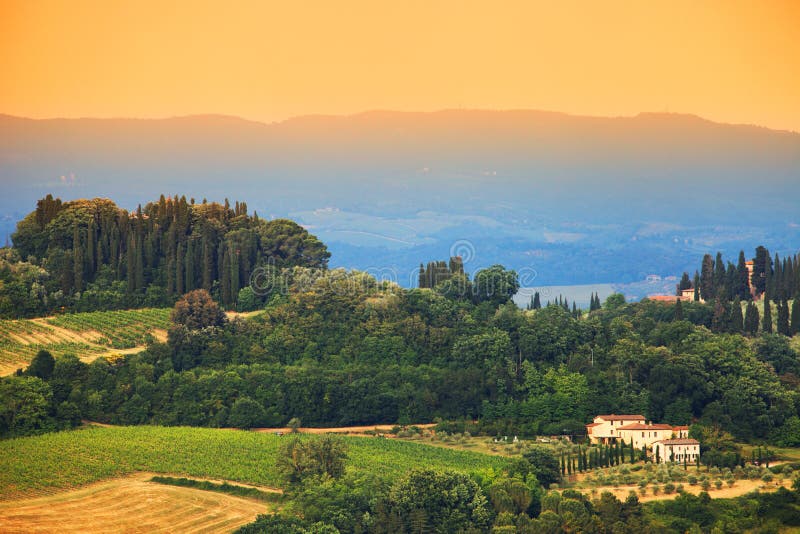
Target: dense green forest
pixel 336 347
pixel 87 255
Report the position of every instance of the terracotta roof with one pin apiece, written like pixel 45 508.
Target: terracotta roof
pixel 639 426
pixel 621 417
pixel 688 441
pixel 681 427
pixel 594 424
pixel 663 298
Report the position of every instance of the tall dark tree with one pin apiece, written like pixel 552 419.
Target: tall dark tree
pixel 761 266
pixel 78 260
pixel 742 278
pixel 707 279
pixel 766 321
pixel 736 323
pixel 678 316
pixel 188 283
pixel 180 279
pixel 721 316
pixel 794 324
pixel 696 285
pixel 685 283
pixel 783 318
pixel 720 278
pixel 751 319
pixel 775 290
pixel 208 263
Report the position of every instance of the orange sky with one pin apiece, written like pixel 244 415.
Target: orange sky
pixel 731 61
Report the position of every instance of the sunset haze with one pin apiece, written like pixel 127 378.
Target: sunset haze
pixel 734 62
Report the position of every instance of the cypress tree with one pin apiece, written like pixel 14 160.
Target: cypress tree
pixel 731 286
pixel 225 277
pixel 171 276
pixel 77 260
pixel 91 240
pixel 130 264
pixel 736 323
pixel 751 319
pixel 761 266
pixel 139 257
pixel 234 274
pixel 766 322
pixel 208 264
pixel 794 325
pixel 696 285
pixel 720 277
pixel 537 302
pixel 777 280
pixel 678 310
pixel 188 283
pixel 742 282
pixel 707 278
pixel 719 321
pixel 180 279
pixel 783 318
pixel 685 283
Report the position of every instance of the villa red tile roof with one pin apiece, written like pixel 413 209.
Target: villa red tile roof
pixel 621 417
pixel 594 424
pixel 663 298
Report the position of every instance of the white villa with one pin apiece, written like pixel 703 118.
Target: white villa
pixel 677 450
pixel 643 435
pixel 607 429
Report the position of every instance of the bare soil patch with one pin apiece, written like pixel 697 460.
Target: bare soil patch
pixel 129 504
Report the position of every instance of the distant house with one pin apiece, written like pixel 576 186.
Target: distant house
pixel 605 428
pixel 687 294
pixel 677 450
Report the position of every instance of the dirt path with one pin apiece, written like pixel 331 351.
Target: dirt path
pixel 355 430
pixel 129 504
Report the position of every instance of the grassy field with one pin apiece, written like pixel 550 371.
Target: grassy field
pixel 87 335
pixel 130 504
pixel 41 464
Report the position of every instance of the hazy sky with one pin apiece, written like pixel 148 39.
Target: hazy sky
pixel 731 61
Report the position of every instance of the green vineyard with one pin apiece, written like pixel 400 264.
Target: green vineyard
pixel 82 334
pixel 60 460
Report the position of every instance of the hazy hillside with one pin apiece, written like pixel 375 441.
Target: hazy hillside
pixel 568 194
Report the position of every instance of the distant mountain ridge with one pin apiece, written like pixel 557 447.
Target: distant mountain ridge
pixel 511 181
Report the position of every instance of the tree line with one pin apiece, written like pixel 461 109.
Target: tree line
pixel 91 255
